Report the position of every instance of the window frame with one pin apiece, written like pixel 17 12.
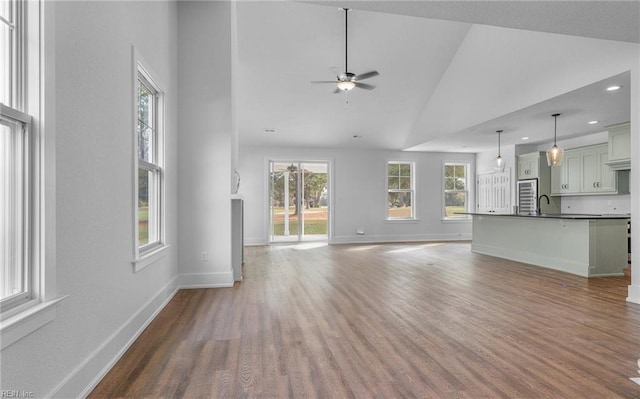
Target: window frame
pixel 148 253
pixel 33 95
pixel 412 191
pixel 17 62
pixel 467 170
pixel 22 224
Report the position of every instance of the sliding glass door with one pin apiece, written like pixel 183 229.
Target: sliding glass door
pixel 298 201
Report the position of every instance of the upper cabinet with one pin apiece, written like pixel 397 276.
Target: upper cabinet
pixel 597 177
pixel 586 171
pixel 565 179
pixel 529 166
pixel 619 153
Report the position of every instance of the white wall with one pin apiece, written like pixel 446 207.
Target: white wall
pixel 206 142
pixel 511 72
pixel 108 303
pixel 359 197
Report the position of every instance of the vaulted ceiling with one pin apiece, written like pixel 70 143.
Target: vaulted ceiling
pixel 451 73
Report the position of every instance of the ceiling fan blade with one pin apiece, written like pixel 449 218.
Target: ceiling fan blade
pixel 365 86
pixel 323 81
pixel 367 75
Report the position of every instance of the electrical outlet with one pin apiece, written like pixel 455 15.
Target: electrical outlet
pixel 360 231
pixel 204 256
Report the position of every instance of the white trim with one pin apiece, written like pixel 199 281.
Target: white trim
pixel 146 255
pixel 86 376
pixel 413 190
pixel 24 323
pixel 467 219
pixel 469 182
pixel 401 221
pixel 150 257
pixel 206 280
pixel 267 201
pixel 381 239
pixel 38 100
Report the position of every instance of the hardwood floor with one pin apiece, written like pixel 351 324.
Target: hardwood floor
pixel 403 320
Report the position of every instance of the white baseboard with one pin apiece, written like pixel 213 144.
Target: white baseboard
pixel 206 280
pixel 254 242
pixel 379 239
pixel 84 378
pixel 633 293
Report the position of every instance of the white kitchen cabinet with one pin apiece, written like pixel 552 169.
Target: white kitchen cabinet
pixel 529 166
pixel 494 192
pixel 597 177
pixel 585 171
pixel 619 147
pixel 565 179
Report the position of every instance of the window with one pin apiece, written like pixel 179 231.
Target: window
pixel 400 190
pixel 149 224
pixel 456 190
pixel 15 208
pixel 16 166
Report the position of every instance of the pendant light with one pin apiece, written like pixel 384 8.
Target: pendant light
pixel 500 164
pixel 555 153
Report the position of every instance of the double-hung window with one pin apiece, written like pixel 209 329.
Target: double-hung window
pixel 17 164
pixel 149 173
pixel 400 191
pixel 456 190
pixel 16 204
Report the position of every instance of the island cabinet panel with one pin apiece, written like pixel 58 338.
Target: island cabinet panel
pixel 587 247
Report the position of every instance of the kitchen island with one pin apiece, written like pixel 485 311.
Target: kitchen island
pixel 586 245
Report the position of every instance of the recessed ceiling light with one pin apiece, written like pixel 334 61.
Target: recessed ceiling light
pixel 614 88
pixel 525 138
pixel 593 122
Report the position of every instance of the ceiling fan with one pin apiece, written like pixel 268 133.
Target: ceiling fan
pixel 347 80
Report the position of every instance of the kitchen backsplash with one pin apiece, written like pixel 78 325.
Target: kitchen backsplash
pixel 597 204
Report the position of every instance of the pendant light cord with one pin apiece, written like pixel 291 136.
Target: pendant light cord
pixel 555 128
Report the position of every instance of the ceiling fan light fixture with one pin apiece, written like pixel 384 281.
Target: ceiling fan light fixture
pixel 555 153
pixel 345 85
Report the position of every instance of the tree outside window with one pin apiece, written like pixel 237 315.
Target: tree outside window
pixel 400 190
pixel 456 192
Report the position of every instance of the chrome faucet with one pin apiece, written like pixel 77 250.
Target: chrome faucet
pixel 539 210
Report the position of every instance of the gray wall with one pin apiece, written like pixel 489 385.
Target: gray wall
pixel 107 302
pixel 359 196
pixel 206 141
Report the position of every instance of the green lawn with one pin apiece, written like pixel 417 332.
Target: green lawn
pixel 451 210
pixel 312 226
pixel 143 225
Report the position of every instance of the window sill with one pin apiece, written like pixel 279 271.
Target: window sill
pixel 149 258
pixel 402 220
pixel 24 323
pixel 457 220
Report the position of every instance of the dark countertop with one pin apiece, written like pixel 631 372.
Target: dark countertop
pixel 575 216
